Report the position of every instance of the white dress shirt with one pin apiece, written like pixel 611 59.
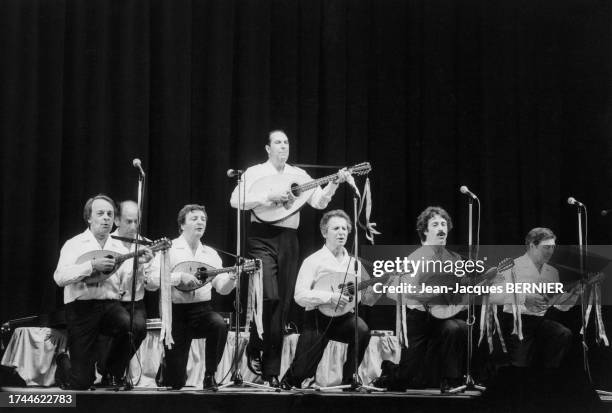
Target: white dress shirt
pixel 181 252
pixel 69 274
pixel 123 283
pixel 318 200
pixel 321 264
pixel 526 272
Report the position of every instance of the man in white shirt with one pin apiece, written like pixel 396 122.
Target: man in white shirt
pixel 436 348
pixel 544 341
pixel 192 312
pixel 331 259
pixel 127 223
pixel 93 308
pixel 277 246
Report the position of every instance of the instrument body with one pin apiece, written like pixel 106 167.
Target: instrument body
pixel 301 188
pixel 591 279
pixel 205 273
pixel 445 311
pixel 343 283
pixel 99 276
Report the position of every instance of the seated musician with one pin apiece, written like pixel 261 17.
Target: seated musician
pixel 94 308
pixel 127 222
pixel 535 337
pixel 331 259
pixel 192 312
pixel 437 344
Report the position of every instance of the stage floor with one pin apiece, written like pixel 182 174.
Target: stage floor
pixel 260 400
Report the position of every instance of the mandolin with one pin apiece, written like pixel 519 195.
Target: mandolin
pixel 444 311
pixel 205 273
pixel 300 187
pixel 99 276
pixel 336 282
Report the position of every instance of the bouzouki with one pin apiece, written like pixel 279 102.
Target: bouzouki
pixel 301 188
pixel 337 282
pixel 553 299
pixel 99 276
pixel 444 311
pixel 205 273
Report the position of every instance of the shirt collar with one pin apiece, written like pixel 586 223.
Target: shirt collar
pixel 182 243
pixel 88 236
pixel 329 254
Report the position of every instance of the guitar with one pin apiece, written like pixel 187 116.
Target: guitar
pixel 99 276
pixel 205 273
pixel 301 187
pixel 336 283
pixel 444 311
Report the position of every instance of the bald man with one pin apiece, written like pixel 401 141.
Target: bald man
pixel 127 226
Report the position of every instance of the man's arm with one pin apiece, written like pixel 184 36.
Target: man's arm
pixel 304 295
pixel 67 271
pixel 322 196
pixel 249 200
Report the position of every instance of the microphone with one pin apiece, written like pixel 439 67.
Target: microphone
pixel 573 201
pixel 605 212
pixel 233 172
pixel 464 190
pixel 138 165
pixel 351 181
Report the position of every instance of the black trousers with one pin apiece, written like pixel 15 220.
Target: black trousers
pixel 436 350
pixel 278 249
pixel 545 342
pixel 189 321
pixel 86 321
pixel 139 330
pixel 318 330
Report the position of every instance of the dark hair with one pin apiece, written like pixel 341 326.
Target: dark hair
pixel 122 205
pixel 274 131
pixel 334 213
pixel 539 234
pixel 90 201
pixel 426 215
pixel 187 209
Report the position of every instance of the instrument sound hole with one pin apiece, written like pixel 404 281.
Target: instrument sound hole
pixel 295 189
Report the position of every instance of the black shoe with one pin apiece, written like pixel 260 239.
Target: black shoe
pixel 106 380
pixel 287 384
pixel 117 382
pixel 254 361
pixel 272 381
pixel 209 382
pixel 381 382
pixel 449 383
pixel 62 362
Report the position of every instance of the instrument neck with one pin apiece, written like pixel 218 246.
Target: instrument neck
pixel 317 182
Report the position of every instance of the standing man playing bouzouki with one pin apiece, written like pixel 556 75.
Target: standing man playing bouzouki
pixel 93 309
pixel 276 244
pixel 332 258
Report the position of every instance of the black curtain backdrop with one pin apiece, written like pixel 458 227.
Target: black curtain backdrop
pixel 512 98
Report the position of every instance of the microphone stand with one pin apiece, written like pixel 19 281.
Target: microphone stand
pixel 469 383
pixel 129 385
pixel 582 250
pixel 236 379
